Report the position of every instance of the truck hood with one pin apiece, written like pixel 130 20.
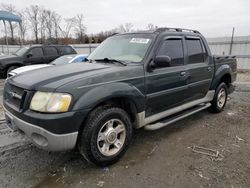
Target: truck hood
pixel 5 58
pixel 52 77
pixel 28 68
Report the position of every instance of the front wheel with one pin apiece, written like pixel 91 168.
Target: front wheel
pixel 105 136
pixel 220 98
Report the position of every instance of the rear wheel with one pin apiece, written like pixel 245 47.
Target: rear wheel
pixel 220 98
pixel 105 136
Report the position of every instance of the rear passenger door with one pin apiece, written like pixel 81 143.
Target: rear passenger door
pixel 199 67
pixel 50 54
pixel 166 86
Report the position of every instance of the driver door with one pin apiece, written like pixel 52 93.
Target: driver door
pixel 166 86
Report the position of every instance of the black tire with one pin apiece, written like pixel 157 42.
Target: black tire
pixel 216 107
pixel 11 69
pixel 87 142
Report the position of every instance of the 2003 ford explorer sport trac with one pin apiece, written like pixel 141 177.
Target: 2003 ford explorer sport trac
pixel 144 79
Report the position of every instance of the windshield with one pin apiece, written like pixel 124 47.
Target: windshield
pixel 63 60
pixel 131 48
pixel 21 51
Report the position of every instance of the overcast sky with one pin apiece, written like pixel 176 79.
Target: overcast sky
pixel 211 17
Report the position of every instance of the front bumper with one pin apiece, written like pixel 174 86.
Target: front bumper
pixel 41 137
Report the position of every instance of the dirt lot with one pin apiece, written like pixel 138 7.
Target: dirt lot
pixel 162 158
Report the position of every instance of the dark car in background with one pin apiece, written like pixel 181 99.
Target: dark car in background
pixel 33 55
pixel 72 58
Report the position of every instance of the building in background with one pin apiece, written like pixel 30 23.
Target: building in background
pixel 240 47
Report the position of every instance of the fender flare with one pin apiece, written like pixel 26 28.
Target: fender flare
pixel 99 94
pixel 220 72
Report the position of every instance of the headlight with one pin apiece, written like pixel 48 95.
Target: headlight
pixel 50 102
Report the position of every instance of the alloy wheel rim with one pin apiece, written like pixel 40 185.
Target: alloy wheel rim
pixel 111 137
pixel 221 98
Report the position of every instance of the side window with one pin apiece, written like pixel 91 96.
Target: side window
pixel 50 51
pixel 195 51
pixel 36 52
pixel 66 50
pixel 174 49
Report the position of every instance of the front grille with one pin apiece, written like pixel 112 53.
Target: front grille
pixel 14 95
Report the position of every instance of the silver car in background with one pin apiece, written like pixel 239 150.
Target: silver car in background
pixel 74 58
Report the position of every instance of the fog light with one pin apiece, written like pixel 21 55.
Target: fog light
pixel 39 139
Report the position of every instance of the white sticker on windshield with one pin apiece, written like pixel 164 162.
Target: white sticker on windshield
pixel 139 40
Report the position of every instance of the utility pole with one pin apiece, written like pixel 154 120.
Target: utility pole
pixel 231 43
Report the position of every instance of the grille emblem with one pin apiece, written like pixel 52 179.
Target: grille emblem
pixel 15 95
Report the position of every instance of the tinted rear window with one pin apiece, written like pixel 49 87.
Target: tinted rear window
pixel 50 51
pixel 67 50
pixel 195 51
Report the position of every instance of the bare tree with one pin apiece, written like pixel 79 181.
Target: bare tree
pixel 23 24
pixel 80 27
pixel 151 26
pixel 128 27
pixel 43 17
pixel 69 23
pixel 123 28
pixel 48 26
pixel 33 16
pixel 49 22
pixel 56 20
pixel 10 8
pixel 105 34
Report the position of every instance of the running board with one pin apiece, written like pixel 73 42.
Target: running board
pixel 158 125
pixel 142 120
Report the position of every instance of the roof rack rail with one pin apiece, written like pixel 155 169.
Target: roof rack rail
pixel 161 29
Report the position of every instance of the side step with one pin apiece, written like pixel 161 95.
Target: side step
pixel 158 125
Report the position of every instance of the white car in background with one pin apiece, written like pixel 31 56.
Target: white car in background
pixel 74 58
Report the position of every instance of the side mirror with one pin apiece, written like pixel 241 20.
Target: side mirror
pixel 29 55
pixel 162 61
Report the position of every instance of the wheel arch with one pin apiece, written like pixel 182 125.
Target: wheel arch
pixel 122 95
pixel 18 64
pixel 223 74
pixel 227 79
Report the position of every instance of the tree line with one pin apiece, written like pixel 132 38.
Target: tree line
pixel 44 26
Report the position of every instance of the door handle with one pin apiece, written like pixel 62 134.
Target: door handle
pixel 209 69
pixel 183 73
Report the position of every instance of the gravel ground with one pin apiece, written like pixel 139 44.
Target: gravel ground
pixel 163 158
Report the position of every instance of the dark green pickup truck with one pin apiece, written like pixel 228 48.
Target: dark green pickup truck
pixel 144 79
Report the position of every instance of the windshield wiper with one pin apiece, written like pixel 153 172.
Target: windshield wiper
pixel 112 61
